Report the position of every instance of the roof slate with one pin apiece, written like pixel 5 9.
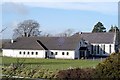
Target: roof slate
pixel 107 37
pixel 52 43
pixel 59 43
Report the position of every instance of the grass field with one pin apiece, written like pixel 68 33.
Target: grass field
pixel 52 64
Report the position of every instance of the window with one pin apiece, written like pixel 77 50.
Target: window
pixel 98 49
pixel 32 53
pixel 20 52
pixel 55 53
pixel 36 53
pixel 51 53
pixel 94 50
pixel 91 49
pixel 62 53
pixel 28 53
pixel 24 53
pixel 67 53
pixel 103 49
pixel 110 48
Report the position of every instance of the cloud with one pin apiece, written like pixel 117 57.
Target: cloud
pixel 11 7
pixel 60 0
pixel 105 8
pixel 102 6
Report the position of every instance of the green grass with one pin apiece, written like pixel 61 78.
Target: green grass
pixel 51 64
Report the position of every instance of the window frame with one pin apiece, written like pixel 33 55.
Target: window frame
pixel 24 53
pixel 104 49
pixel 52 53
pixel 98 51
pixel 56 53
pixel 20 52
pixel 36 53
pixel 32 53
pixel 28 53
pixel 92 49
pixel 63 53
pixel 110 48
pixel 67 53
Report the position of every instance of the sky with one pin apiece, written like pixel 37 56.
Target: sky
pixel 55 16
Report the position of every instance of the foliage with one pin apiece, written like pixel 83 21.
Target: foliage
pixel 36 72
pixel 110 68
pixel 42 68
pixel 118 37
pixel 113 29
pixel 27 28
pixel 99 27
pixel 77 73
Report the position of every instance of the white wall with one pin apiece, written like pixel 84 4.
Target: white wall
pixel 71 54
pixel 107 49
pixel 41 53
pixel 16 53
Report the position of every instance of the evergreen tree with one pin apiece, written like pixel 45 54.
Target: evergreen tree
pixel 99 27
pixel 113 29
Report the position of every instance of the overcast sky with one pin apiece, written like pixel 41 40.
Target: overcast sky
pixel 55 16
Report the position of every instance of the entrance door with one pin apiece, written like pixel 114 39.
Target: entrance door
pixel 46 54
pixel 83 51
pixel 82 54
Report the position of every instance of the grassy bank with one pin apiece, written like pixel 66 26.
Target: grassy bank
pixel 51 64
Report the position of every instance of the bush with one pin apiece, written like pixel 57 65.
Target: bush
pixel 110 68
pixel 76 73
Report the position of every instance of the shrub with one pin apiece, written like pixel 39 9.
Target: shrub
pixel 75 73
pixel 110 68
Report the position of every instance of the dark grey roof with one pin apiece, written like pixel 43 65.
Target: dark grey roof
pixel 4 41
pixel 107 37
pixel 23 43
pixel 59 43
pixel 52 43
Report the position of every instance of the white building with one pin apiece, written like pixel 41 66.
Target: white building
pixel 76 46
pixel 101 44
pixel 44 47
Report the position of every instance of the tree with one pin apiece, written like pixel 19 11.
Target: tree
pixel 66 33
pixel 114 29
pixel 27 28
pixel 110 68
pixel 99 27
pixel 3 30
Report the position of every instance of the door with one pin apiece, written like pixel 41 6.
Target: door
pixel 46 54
pixel 82 54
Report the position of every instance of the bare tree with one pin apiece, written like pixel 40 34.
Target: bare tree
pixel 69 32
pixel 66 33
pixel 3 30
pixel 47 35
pixel 27 28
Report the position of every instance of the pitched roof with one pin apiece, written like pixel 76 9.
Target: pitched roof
pixel 52 43
pixel 107 37
pixel 23 43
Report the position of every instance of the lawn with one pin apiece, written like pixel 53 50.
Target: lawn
pixel 52 64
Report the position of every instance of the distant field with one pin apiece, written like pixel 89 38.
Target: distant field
pixel 51 64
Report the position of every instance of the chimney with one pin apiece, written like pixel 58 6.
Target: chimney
pixel 12 40
pixel 80 32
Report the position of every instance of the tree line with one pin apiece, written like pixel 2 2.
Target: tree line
pixel 99 27
pixel 29 28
